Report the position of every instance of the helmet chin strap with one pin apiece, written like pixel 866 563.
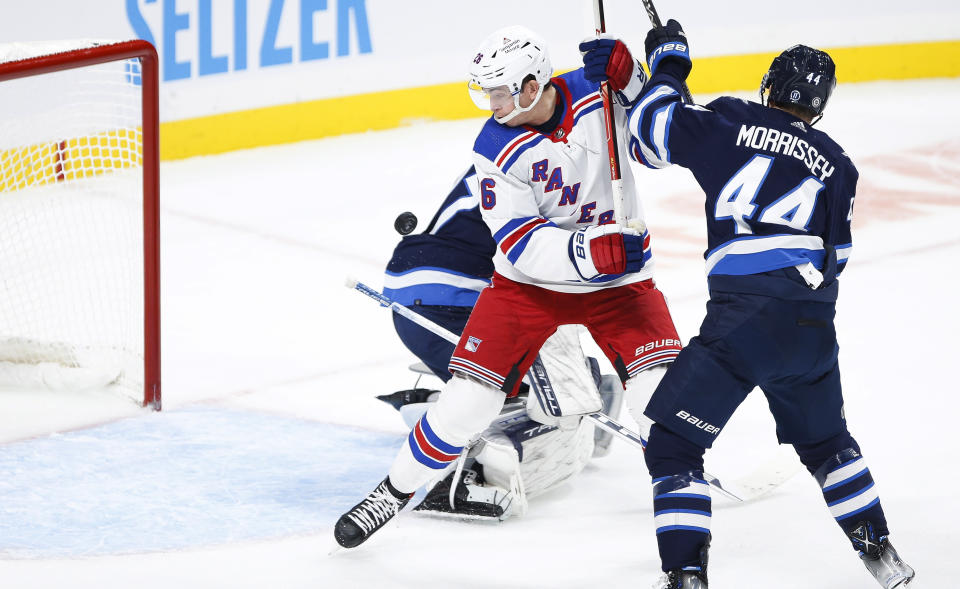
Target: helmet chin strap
pixel 519 109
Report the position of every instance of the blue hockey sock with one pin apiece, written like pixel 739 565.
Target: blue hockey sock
pixel 682 511
pixel 681 500
pixel 851 496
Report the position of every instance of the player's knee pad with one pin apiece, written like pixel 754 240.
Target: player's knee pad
pixel 638 391
pixel 465 408
pixel 814 456
pixel 668 454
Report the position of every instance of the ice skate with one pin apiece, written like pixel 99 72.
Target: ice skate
pixel 354 527
pixel 409 396
pixel 880 558
pixel 472 499
pixel 886 567
pixel 682 579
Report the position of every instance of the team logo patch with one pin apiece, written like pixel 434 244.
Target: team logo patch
pixel 478 58
pixel 795 96
pixel 472 344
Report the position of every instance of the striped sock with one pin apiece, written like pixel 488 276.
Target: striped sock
pixel 682 510
pixel 428 449
pixel 850 493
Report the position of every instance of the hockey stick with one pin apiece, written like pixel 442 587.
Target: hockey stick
pixel 613 152
pixel 404 311
pixel 655 21
pixel 766 477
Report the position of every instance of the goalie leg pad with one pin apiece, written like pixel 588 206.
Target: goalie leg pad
pixel 553 457
pixel 533 456
pixel 464 408
pixel 516 458
pixel 563 383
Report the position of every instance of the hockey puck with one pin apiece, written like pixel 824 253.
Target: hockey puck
pixel 406 222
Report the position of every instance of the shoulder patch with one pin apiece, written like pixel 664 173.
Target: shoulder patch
pixel 579 86
pixel 502 145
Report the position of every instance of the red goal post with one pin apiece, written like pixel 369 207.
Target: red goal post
pixel 31 169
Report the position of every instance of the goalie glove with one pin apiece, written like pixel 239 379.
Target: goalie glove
pixel 601 251
pixel 608 58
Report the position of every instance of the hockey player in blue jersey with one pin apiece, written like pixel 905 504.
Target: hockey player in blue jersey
pixel 440 272
pixel 779 201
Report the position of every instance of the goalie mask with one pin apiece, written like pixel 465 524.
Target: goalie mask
pixel 503 61
pixel 800 76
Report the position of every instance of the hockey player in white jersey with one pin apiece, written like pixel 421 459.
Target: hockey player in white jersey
pixel 546 194
pixel 439 274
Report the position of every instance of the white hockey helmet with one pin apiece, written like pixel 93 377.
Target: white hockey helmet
pixel 501 64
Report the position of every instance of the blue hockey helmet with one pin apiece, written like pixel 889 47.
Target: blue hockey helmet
pixel 801 76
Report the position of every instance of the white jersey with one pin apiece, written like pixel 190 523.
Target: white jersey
pixel 537 189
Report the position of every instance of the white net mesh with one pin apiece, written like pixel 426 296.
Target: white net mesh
pixel 71 228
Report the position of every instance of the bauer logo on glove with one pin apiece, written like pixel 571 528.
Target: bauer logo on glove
pixel 605 250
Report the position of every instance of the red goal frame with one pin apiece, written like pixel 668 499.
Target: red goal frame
pixel 149 72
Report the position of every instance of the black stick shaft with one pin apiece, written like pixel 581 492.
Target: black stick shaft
pixel 655 21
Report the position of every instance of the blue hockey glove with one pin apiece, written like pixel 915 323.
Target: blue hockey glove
pixel 667 51
pixel 606 58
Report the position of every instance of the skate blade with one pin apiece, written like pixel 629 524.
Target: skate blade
pixel 463 517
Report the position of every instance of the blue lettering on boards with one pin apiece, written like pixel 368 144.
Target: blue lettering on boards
pixel 270 54
pixel 208 63
pixel 173 21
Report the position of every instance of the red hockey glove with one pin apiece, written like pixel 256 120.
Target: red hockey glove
pixel 606 249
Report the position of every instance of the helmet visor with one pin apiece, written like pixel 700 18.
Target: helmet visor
pixel 490 98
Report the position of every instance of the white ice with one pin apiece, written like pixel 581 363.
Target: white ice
pixel 271 428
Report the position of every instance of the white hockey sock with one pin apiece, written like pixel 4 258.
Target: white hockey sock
pixel 639 390
pixel 465 408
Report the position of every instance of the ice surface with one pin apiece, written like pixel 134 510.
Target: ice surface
pixel 220 475
pixel 271 367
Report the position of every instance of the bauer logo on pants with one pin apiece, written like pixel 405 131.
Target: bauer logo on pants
pixel 472 344
pixel 701 424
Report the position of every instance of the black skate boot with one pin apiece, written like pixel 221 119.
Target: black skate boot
pixel 408 396
pixel 355 526
pixel 682 579
pixel 880 558
pixel 472 499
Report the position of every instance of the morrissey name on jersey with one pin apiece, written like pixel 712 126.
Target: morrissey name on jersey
pixel 788 144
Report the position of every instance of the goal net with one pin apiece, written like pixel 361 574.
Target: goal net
pixel 79 267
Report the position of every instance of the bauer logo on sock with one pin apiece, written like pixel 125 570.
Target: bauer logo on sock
pixel 472 344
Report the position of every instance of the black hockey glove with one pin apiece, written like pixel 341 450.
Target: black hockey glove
pixel 667 51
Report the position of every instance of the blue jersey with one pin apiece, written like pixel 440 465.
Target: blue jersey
pixel 779 193
pixel 451 261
